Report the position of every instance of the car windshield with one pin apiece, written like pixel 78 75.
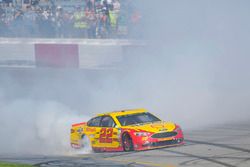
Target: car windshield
pixel 140 118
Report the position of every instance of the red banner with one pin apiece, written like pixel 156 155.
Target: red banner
pixel 57 55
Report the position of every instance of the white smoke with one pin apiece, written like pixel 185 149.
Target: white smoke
pixel 195 73
pixel 31 127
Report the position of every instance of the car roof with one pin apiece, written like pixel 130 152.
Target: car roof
pixel 123 112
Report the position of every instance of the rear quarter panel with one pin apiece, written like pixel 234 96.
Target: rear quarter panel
pixel 76 133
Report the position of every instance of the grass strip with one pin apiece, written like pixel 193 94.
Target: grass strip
pixel 7 164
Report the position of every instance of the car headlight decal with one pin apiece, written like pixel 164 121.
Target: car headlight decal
pixel 142 134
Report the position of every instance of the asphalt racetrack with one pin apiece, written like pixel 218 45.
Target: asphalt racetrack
pixel 224 145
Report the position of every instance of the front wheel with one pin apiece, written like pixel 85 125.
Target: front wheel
pixel 127 143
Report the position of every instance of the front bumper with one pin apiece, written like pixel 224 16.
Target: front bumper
pixel 147 145
pixel 151 142
pixel 164 143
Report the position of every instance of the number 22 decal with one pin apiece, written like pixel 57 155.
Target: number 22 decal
pixel 106 135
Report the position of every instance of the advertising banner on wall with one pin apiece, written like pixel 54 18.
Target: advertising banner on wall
pixel 57 55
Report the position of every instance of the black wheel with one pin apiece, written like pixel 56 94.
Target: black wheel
pixel 83 135
pixel 85 143
pixel 82 140
pixel 127 143
pixel 96 150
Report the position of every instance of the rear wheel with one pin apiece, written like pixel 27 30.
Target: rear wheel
pixel 85 143
pixel 127 143
pixel 83 140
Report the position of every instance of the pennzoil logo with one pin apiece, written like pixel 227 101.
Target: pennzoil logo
pixel 80 130
pixel 90 129
pixel 158 126
pixel 163 129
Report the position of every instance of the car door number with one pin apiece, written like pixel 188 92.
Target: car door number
pixel 106 135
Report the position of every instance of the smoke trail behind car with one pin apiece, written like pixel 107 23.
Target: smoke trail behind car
pixel 32 127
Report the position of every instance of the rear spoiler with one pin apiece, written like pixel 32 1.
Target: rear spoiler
pixel 78 124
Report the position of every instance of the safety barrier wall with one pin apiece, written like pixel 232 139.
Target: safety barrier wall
pixel 62 53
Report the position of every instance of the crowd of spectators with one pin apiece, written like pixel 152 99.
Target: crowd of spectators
pixel 89 19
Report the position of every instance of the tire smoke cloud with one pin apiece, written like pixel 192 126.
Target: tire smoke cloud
pixel 31 127
pixel 198 68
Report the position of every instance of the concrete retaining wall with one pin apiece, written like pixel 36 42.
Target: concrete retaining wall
pixel 62 53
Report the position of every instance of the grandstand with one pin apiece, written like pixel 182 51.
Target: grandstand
pixel 68 18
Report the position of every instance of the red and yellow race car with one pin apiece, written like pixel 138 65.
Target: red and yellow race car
pixel 126 130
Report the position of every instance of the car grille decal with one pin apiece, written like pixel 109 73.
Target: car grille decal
pixel 164 143
pixel 164 135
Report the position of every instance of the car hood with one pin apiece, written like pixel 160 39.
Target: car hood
pixel 154 127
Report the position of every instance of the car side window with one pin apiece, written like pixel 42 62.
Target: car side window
pixel 107 121
pixel 94 121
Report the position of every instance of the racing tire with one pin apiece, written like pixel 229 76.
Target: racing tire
pixel 127 143
pixel 85 143
pixel 82 143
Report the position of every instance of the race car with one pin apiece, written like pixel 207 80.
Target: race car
pixel 126 130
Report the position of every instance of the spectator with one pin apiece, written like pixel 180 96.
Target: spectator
pixel 80 23
pixel 59 21
pixel 45 22
pixel 91 17
pixel 18 20
pixel 116 6
pixel 68 24
pixel 30 21
pixel 99 19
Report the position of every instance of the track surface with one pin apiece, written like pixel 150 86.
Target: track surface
pixel 227 145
